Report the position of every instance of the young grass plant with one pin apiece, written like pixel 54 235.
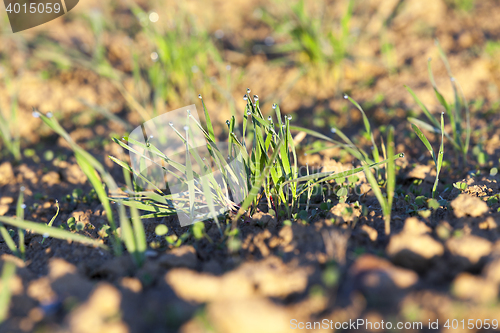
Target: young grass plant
pixel 132 234
pixel 369 162
pixel 269 171
pixel 460 137
pixel 438 160
pixel 385 200
pixel 314 42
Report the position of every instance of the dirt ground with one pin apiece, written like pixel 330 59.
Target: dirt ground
pixel 440 264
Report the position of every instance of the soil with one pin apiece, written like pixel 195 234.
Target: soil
pixel 437 264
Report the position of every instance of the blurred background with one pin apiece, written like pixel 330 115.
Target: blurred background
pixel 107 66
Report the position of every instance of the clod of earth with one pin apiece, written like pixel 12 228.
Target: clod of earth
pixel 466 204
pixel 414 247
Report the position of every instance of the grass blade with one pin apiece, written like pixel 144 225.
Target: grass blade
pixel 8 271
pixel 41 229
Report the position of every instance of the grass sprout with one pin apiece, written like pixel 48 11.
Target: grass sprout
pixel 132 234
pixel 461 128
pixel 267 172
pixel 438 160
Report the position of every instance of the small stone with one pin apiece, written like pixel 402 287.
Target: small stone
pixel 184 256
pixel 474 288
pixel 51 178
pixel 368 263
pixel 4 209
pixel 466 204
pixel 264 219
pixel 6 173
pixel 344 213
pixel 371 232
pixel 469 249
pixel 489 224
pixel 413 247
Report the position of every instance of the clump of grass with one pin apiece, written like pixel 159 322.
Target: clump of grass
pixel 460 137
pixel 270 169
pixel 438 160
pixel 314 43
pixel 369 162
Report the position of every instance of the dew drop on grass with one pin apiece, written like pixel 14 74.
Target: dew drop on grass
pixel 289 117
pixel 333 130
pixel 248 90
pixel 402 155
pixel 249 112
pixel 269 118
pixel 49 114
pixel 345 96
pixel 171 124
pixel 245 98
pixel 442 112
pixel 199 96
pixel 452 79
pixel 186 128
pixel 151 136
pixel 35 114
pixel 255 97
pixel 274 106
pixel 227 122
pixel 22 188
pixel 23 206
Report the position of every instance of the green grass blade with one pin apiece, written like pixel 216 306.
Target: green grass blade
pixel 439 97
pixel 20 232
pixel 52 219
pixel 40 228
pixel 9 241
pixel 391 179
pixel 210 128
pixel 376 190
pixel 423 108
pixel 367 127
pixel 439 161
pixel 258 183
pixel 8 271
pixel 137 226
pixel 347 173
pixel 426 142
